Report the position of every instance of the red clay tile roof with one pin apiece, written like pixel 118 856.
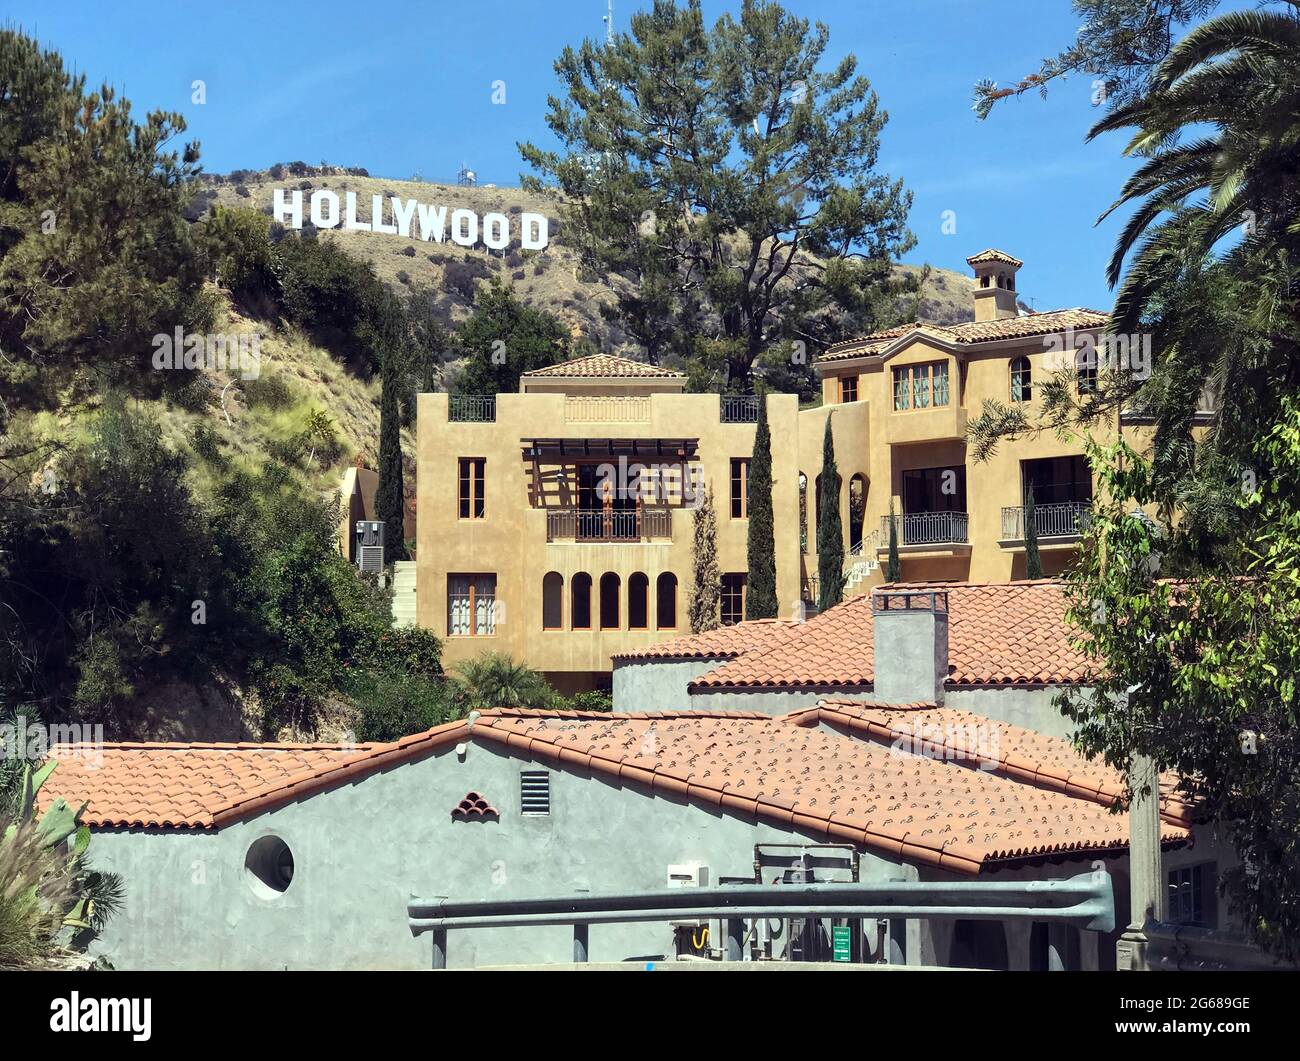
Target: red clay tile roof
pixel 726 642
pixel 182 786
pixel 1010 633
pixel 989 744
pixel 992 255
pixel 783 770
pixel 603 366
pixel 971 332
pixel 473 808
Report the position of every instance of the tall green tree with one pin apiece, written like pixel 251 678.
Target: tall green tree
pixel 1190 617
pixel 1033 562
pixel 503 339
pixel 893 566
pixel 760 595
pixel 732 177
pixel 706 577
pixel 96 256
pixel 830 531
pixel 390 503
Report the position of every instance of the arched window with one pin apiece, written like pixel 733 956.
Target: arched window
pixel 638 602
pixel 1085 368
pixel 857 509
pixel 552 601
pixel 580 601
pixel 1021 380
pixel 666 601
pixel 609 586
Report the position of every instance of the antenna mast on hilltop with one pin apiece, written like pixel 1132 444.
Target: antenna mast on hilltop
pixel 609 24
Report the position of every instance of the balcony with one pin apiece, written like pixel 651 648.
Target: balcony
pixel 472 408
pixel 738 409
pixel 608 524
pixel 1057 524
pixel 927 531
pixel 939 423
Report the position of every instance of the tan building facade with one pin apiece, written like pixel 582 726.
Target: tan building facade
pixel 556 524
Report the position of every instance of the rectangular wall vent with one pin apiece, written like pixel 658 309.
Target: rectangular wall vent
pixel 535 792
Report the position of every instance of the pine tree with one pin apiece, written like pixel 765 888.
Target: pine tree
pixel 1033 562
pixel 760 599
pixel 389 498
pixel 893 566
pixel 830 533
pixel 706 588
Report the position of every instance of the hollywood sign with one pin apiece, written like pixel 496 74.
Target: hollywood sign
pixel 435 225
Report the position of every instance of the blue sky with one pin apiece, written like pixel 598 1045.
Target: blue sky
pixel 405 87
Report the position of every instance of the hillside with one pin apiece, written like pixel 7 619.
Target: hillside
pixel 548 280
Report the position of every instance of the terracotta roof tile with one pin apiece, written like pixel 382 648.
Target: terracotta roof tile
pixel 725 642
pixel 993 255
pixel 1024 326
pixel 998 634
pixel 474 808
pixel 991 745
pixel 178 785
pixel 920 808
pixel 603 366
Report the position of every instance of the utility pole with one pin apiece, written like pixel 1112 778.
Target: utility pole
pixel 609 24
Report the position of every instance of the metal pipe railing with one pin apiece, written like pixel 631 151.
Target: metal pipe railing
pixel 1086 901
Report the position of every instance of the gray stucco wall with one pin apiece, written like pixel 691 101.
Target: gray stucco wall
pixel 657 685
pixel 362 850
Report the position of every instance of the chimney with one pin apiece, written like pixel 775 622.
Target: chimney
pixel 910 640
pixel 995 284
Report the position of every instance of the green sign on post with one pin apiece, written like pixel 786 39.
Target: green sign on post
pixel 841 943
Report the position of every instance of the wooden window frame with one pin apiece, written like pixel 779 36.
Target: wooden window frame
pixel 474 578
pixel 740 486
pixel 471 496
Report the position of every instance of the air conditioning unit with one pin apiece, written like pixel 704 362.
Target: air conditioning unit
pixel 688 875
pixel 370 545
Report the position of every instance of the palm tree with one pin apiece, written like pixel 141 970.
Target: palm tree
pixel 1239 75
pixel 495 680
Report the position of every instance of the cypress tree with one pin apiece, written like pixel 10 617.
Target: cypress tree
pixel 893 566
pixel 389 498
pixel 830 533
pixel 706 578
pixel 1033 562
pixel 760 599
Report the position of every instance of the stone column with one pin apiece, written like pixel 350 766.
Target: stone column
pixel 1146 876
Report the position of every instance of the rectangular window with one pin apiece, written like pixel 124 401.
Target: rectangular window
pixel 471 605
pixel 733 599
pixel 921 386
pixel 471 487
pixel 534 792
pixel 934 490
pixel 1057 480
pixel 739 487
pixel 848 388
pixel 1191 896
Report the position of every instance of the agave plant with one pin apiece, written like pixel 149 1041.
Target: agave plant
pixel 46 884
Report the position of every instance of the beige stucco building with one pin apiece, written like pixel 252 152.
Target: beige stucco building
pixel 555 524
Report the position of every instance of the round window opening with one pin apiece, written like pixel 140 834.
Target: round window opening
pixel 269 867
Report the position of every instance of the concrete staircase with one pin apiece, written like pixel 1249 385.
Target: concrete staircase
pixel 862 562
pixel 404 593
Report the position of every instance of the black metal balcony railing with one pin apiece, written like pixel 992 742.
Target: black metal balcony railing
pixel 472 408
pixel 738 409
pixel 608 525
pixel 1063 519
pixel 926 528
